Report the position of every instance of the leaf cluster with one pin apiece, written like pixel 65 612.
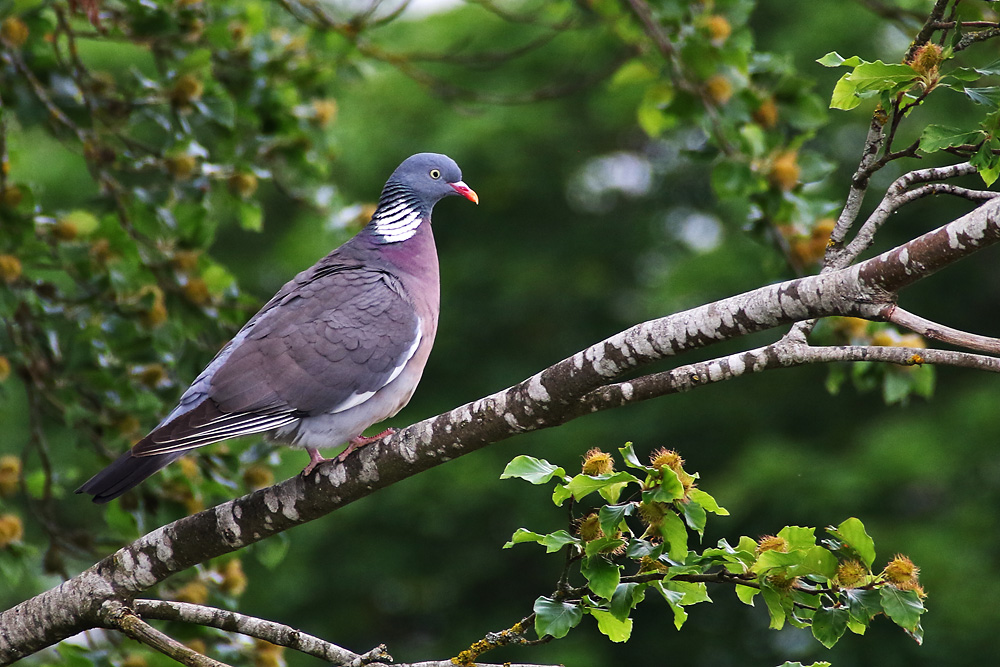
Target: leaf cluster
pixel 631 533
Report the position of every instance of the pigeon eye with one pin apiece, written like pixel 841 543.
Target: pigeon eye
pixel 435 174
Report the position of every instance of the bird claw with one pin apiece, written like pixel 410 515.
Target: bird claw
pixel 315 458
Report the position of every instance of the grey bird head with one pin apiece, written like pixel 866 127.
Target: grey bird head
pixel 430 177
pixel 411 192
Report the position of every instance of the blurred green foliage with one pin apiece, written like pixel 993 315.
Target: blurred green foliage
pixel 167 171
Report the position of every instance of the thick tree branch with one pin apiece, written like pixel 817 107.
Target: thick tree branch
pixel 275 633
pixel 546 399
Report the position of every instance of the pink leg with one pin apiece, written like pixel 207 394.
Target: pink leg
pixel 363 440
pixel 315 458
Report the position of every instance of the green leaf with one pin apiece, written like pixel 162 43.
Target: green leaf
pixel 610 516
pixel 582 485
pixel 673 599
pixel 707 501
pixel 625 598
pixel 555 618
pixel 746 594
pixel 834 59
pixel 251 215
pixel 798 537
pixel 552 542
pixel 903 607
pixel 530 469
pixel 863 604
pixel 602 575
pixel 937 137
pixel 675 536
pixel 829 625
pixel 694 515
pixel 631 460
pixel 694 592
pixel 798 562
pixel 852 533
pixel 868 78
pixel 987 162
pixel 651 114
pixel 617 630
pixel 603 545
pixel 777 606
pixel 988 96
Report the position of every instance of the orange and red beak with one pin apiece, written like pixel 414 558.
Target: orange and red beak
pixel 464 190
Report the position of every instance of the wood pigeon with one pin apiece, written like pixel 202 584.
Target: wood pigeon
pixel 340 347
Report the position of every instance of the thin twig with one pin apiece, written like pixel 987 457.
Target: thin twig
pixel 122 618
pixel 943 333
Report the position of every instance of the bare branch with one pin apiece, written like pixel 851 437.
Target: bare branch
pixel 898 196
pixel 275 633
pixel 943 333
pixel 122 618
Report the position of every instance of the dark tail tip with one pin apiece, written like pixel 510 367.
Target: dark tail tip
pixel 124 473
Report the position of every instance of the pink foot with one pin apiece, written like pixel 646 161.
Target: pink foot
pixel 361 441
pixel 315 458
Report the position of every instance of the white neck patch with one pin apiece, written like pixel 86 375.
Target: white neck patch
pixel 397 221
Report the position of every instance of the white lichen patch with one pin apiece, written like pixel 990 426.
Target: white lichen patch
pixel 627 390
pixel 369 469
pixel 143 572
pixel 225 519
pixel 164 548
pixel 537 391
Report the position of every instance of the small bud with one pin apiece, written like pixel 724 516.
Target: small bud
pixel 766 115
pixel 901 570
pixel 666 458
pixel 851 328
pixel 242 184
pixel 590 528
pixel 926 60
pixel 784 172
pixel 197 645
pixel 652 513
pixel 64 230
pixel 11 196
pixel 718 28
pixel 324 111
pixel 127 425
pixel 10 475
pixel 186 89
pixel 185 261
pixel 772 543
pixel 151 375
pixel 266 654
pixel 884 338
pixel 14 32
pixel 196 291
pixel 234 581
pixel 11 530
pixel 647 564
pixel 10 268
pixel 258 476
pixel 180 166
pixel 718 89
pixel 911 340
pixel 195 592
pixel 851 573
pixel 189 468
pixel 597 462
pixel 782 582
pixel 134 660
pixel 4 368
pixel 100 251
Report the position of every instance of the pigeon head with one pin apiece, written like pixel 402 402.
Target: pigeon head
pixel 431 177
pixel 418 183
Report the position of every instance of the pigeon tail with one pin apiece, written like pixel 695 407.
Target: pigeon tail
pixel 126 472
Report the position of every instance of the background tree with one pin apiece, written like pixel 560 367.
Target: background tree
pixel 635 159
